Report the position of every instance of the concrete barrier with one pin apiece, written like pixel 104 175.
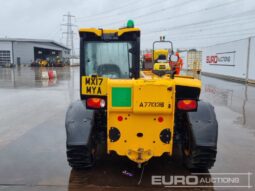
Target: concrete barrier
pixel 52 74
pixel 55 73
pixel 45 75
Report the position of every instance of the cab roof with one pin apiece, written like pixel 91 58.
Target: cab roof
pixel 100 32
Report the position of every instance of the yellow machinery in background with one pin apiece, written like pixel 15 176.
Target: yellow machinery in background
pixel 131 113
pixel 158 54
pixel 58 62
pixel 40 63
pixel 161 61
pixel 43 63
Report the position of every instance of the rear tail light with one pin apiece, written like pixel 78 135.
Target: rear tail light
pixel 187 105
pixel 96 103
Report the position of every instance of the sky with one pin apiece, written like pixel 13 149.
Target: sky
pixel 187 23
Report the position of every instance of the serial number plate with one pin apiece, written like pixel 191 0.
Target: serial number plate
pixel 152 104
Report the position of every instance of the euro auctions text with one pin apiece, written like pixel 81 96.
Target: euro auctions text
pixel 204 180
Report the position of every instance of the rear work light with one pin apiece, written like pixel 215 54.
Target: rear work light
pixel 95 103
pixel 187 105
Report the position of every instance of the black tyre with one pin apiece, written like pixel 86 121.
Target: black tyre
pixel 80 157
pixel 197 158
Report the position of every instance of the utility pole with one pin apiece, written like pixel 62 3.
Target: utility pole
pixel 69 32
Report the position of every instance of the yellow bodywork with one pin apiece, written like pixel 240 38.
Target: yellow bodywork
pixel 180 80
pixel 150 110
pixel 140 112
pixel 142 116
pixel 158 52
pixel 162 66
pixel 100 32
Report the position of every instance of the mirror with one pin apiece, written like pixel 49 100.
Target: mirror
pixel 173 58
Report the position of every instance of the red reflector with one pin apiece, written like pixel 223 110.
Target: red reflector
pixel 94 103
pixel 187 105
pixel 120 118
pixel 160 119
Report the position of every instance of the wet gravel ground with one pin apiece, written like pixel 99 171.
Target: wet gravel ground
pixel 32 137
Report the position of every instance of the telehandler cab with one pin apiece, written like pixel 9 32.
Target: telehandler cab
pixel 133 113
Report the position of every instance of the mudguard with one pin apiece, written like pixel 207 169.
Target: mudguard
pixel 203 125
pixel 78 124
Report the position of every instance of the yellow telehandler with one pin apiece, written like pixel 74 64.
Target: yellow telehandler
pixel 135 114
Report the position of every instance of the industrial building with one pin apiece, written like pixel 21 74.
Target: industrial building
pixel 24 51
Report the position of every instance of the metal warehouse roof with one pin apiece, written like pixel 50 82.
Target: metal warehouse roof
pixel 33 40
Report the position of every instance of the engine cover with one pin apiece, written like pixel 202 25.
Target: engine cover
pixel 142 112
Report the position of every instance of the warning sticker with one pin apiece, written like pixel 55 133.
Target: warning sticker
pixel 94 85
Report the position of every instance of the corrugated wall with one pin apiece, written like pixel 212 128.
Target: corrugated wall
pixel 6 46
pixel 24 51
pixel 231 60
pixel 251 71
